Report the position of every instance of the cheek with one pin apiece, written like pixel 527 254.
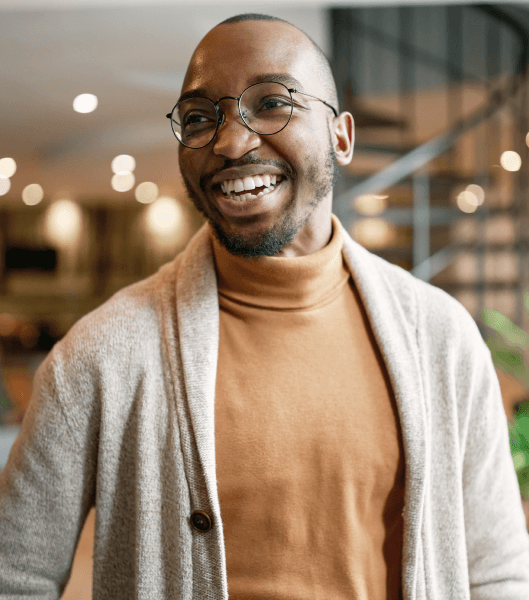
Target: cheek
pixel 188 167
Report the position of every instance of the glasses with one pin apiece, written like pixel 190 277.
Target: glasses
pixel 265 108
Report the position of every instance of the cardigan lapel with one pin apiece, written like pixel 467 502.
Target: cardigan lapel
pixel 197 307
pixel 391 311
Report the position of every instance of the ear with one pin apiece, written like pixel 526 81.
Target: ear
pixel 343 135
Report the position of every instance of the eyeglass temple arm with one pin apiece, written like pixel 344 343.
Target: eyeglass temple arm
pixel 316 98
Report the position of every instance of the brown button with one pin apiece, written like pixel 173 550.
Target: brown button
pixel 201 521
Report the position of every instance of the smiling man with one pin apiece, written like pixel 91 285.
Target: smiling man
pixel 277 413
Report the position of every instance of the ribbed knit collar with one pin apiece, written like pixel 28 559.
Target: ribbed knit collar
pixel 283 283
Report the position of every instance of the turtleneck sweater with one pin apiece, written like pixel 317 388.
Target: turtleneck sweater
pixel 309 453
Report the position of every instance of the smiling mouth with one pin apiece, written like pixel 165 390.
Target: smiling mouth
pixel 249 188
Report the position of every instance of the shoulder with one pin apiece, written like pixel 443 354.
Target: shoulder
pixel 128 324
pixel 440 320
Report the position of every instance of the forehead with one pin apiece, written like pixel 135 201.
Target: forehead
pixel 232 56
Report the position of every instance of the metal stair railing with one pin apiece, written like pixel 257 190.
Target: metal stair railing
pixel 415 161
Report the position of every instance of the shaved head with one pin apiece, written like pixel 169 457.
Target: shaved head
pixel 322 62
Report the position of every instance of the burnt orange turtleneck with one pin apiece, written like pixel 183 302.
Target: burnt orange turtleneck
pixel 310 462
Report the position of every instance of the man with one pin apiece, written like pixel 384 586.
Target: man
pixel 277 413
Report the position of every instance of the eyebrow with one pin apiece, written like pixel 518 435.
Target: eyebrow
pixel 284 78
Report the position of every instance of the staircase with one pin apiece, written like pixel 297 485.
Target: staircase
pixel 438 94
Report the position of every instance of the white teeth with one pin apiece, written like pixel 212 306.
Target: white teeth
pixel 231 187
pixel 249 183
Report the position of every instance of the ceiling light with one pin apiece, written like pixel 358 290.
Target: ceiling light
pixel 477 191
pixel 122 182
pixel 8 167
pixel 164 216
pixel 64 221
pixel 370 204
pixel 85 103
pixel 146 192
pixel 5 185
pixel 467 202
pixel 32 194
pixel 511 161
pixel 374 233
pixel 123 164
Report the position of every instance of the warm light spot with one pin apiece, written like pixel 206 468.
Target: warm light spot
pixel 8 324
pixel 146 192
pixel 164 216
pixel 63 221
pixel 32 194
pixel 370 204
pixel 123 164
pixel 374 233
pixel 510 161
pixel 467 202
pixel 8 167
pixel 85 103
pixel 478 192
pixel 5 186
pixel 527 139
pixel 122 182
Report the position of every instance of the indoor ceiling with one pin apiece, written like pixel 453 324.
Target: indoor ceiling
pixel 133 58
pixel 132 54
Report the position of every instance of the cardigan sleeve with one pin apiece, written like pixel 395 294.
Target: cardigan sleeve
pixel 46 492
pixel 496 533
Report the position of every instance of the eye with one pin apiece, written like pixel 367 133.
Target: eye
pixel 196 119
pixel 274 102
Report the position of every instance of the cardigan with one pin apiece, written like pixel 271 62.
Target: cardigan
pixel 122 417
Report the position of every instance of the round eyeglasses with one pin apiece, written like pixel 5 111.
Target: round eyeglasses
pixel 265 108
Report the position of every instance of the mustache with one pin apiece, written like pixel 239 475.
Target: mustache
pixel 286 169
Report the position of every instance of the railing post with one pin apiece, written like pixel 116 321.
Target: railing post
pixel 421 221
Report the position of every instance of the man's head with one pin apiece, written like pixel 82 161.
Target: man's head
pixel 292 217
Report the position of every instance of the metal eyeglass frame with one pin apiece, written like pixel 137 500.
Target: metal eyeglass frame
pixel 220 115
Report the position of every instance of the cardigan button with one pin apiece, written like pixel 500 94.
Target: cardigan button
pixel 201 521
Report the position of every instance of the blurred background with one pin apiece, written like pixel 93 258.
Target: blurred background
pixel 91 198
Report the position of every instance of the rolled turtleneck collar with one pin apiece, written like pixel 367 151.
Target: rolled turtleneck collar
pixel 283 282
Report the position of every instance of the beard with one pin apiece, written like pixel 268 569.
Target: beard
pixel 271 241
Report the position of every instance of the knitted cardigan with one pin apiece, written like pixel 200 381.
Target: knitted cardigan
pixel 122 417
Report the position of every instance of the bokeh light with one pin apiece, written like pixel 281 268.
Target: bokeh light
pixel 511 161
pixel 8 167
pixel 467 202
pixel 5 186
pixel 478 192
pixel 32 194
pixel 123 182
pixel 85 103
pixel 64 221
pixel 373 233
pixel 122 164
pixel 164 216
pixel 146 192
pixel 370 204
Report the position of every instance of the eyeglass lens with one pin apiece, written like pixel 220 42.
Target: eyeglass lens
pixel 265 107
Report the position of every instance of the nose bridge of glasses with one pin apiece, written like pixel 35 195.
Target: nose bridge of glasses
pixel 222 112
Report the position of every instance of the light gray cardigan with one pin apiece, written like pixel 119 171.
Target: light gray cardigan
pixel 123 416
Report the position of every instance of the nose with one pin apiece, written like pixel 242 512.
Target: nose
pixel 233 138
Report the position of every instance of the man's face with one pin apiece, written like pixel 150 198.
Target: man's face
pixel 291 213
